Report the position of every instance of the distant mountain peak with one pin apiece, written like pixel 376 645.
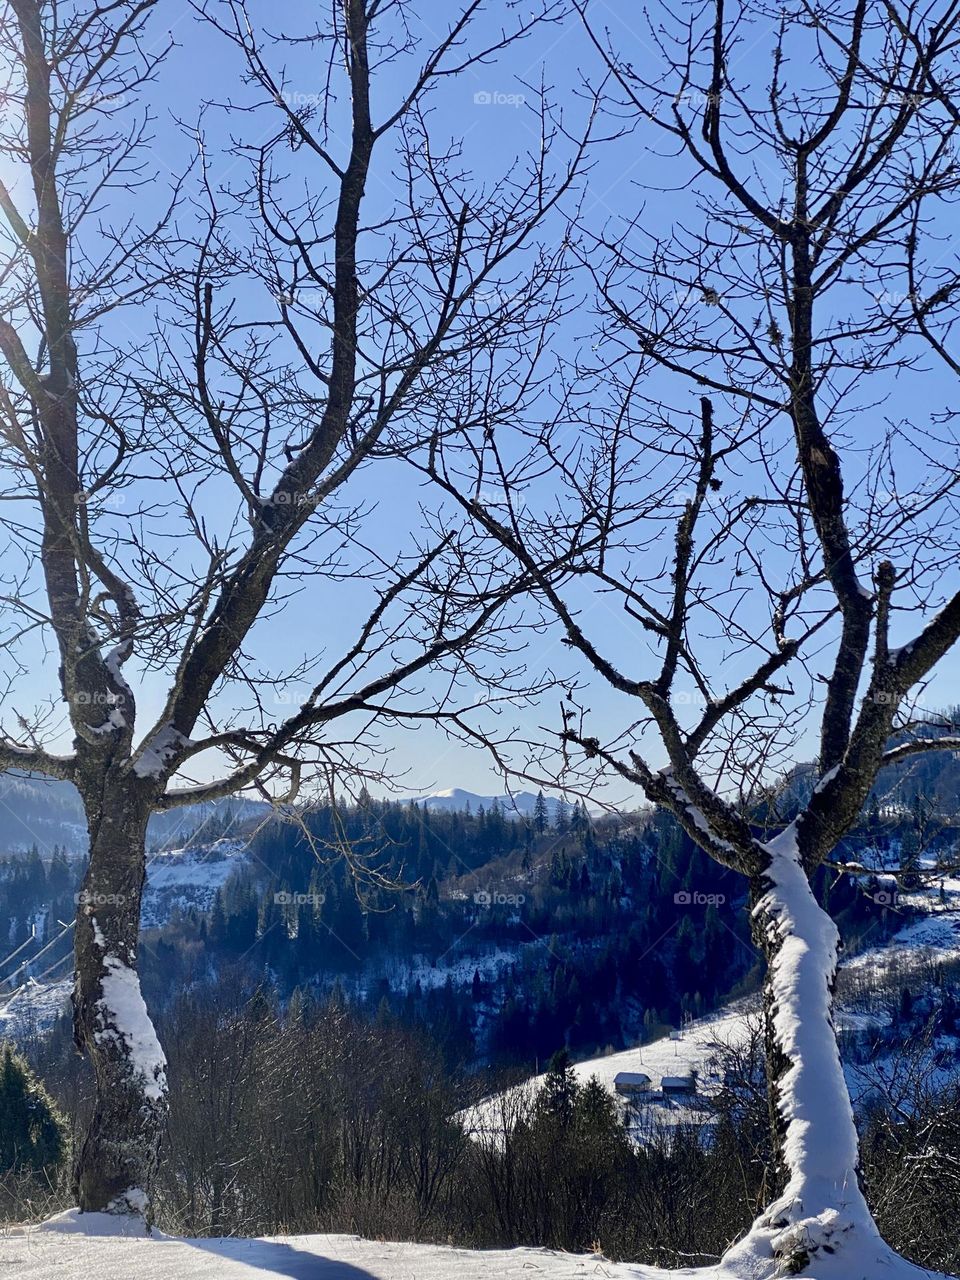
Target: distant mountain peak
pixel 456 800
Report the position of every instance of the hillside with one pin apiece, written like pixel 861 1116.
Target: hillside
pixel 309 1028
pixel 44 813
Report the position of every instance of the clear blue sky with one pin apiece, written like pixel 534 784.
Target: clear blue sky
pixel 486 110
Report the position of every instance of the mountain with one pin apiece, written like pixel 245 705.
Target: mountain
pixel 47 812
pixel 455 800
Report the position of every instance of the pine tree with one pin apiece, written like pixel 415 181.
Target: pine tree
pixel 32 1131
pixel 540 814
pixel 558 1097
pixel 561 821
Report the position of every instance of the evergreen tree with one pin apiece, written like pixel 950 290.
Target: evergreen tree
pixel 558 1097
pixel 33 1134
pixel 561 822
pixel 540 814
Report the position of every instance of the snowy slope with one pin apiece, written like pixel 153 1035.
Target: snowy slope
pixel 190 877
pixel 33 1007
pixel 176 879
pixel 933 937
pixel 702 1044
pixel 69 1248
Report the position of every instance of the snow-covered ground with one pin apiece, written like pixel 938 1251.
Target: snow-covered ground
pixel 72 1247
pixel 185 878
pixel 176 879
pixel 33 1007
pixel 57 1251
pixel 701 1049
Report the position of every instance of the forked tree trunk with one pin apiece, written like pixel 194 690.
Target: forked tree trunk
pixel 820 1223
pixel 117 1160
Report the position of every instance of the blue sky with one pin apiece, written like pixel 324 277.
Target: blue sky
pixel 489 110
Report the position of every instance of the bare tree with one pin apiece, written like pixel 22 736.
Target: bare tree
pixel 190 401
pixel 772 568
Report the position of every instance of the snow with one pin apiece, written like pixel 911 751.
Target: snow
pixel 821 1217
pixel 188 877
pixel 820 1133
pixel 491 963
pixel 33 1007
pixel 114 721
pixel 694 813
pixel 827 778
pixel 821 1223
pixel 123 1012
pixel 57 1251
pixel 111 1248
pixel 119 654
pixel 700 1049
pixel 176 879
pixel 158 750
pixel 937 936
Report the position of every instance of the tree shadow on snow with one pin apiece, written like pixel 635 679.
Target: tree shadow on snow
pixel 280 1259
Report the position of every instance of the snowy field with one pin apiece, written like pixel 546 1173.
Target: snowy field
pixel 58 1252
pixel 700 1049
pixel 61 1250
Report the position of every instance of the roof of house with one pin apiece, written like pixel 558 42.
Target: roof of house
pixel 683 1081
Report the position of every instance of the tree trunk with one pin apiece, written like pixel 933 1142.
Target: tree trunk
pixel 820 1217
pixel 117 1160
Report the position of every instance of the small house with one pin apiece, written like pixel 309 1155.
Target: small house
pixel 630 1083
pixel 681 1085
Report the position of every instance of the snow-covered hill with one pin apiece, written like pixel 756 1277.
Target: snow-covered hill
pixel 700 1048
pixel 706 1046
pixel 44 812
pixel 177 879
pixel 189 877
pixel 73 1246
